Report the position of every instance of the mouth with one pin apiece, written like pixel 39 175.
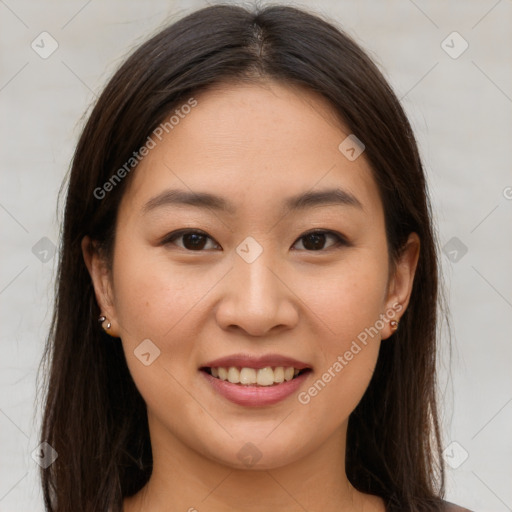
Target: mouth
pixel 268 376
pixel 255 381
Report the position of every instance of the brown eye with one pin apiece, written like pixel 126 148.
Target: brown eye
pixel 316 240
pixel 194 241
pixel 191 240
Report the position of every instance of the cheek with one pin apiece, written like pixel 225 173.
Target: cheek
pixel 158 301
pixel 340 384
pixel 349 306
pixel 349 298
pixel 152 295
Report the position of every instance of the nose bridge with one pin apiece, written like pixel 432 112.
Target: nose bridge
pixel 257 286
pixel 260 284
pixel 251 262
pixel 255 299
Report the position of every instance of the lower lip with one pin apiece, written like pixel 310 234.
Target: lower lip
pixel 255 396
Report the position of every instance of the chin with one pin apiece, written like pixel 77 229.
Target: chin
pixel 258 455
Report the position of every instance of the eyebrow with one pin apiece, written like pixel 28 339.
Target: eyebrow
pixel 206 200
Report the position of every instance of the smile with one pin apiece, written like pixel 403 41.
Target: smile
pixel 253 394
pixel 245 376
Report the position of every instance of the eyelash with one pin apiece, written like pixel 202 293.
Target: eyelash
pixel 340 240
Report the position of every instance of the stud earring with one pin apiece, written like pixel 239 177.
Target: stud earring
pixel 394 325
pixel 101 319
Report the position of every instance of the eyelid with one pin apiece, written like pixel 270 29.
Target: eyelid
pixel 170 237
pixel 341 239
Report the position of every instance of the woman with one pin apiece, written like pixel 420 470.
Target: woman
pixel 247 218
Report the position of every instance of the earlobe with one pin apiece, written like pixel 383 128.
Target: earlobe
pixel 102 284
pixel 401 282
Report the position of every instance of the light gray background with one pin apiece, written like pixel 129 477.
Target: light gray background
pixel 461 110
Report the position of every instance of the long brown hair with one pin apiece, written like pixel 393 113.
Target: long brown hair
pixel 94 416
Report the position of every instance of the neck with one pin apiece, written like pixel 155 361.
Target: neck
pixel 183 479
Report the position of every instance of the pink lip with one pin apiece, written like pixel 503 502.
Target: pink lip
pixel 248 361
pixel 255 396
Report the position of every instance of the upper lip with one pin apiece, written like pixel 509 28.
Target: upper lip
pixel 253 361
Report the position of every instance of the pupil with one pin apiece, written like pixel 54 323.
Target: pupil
pixel 317 239
pixel 195 241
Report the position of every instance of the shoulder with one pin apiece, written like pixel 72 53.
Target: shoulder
pixel 451 507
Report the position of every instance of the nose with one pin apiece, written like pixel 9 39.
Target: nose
pixel 256 298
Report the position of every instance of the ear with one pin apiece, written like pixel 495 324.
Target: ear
pixel 401 281
pixel 102 282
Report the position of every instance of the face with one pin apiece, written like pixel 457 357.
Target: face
pixel 285 267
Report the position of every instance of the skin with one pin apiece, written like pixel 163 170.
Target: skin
pixel 255 145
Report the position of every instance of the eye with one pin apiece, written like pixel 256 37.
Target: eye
pixel 193 240
pixel 196 240
pixel 315 240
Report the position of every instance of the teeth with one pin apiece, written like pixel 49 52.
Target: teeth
pixel 288 373
pixel 251 376
pixel 233 375
pixel 247 376
pixel 265 376
pixel 279 374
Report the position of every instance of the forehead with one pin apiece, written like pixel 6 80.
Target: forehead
pixel 252 144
